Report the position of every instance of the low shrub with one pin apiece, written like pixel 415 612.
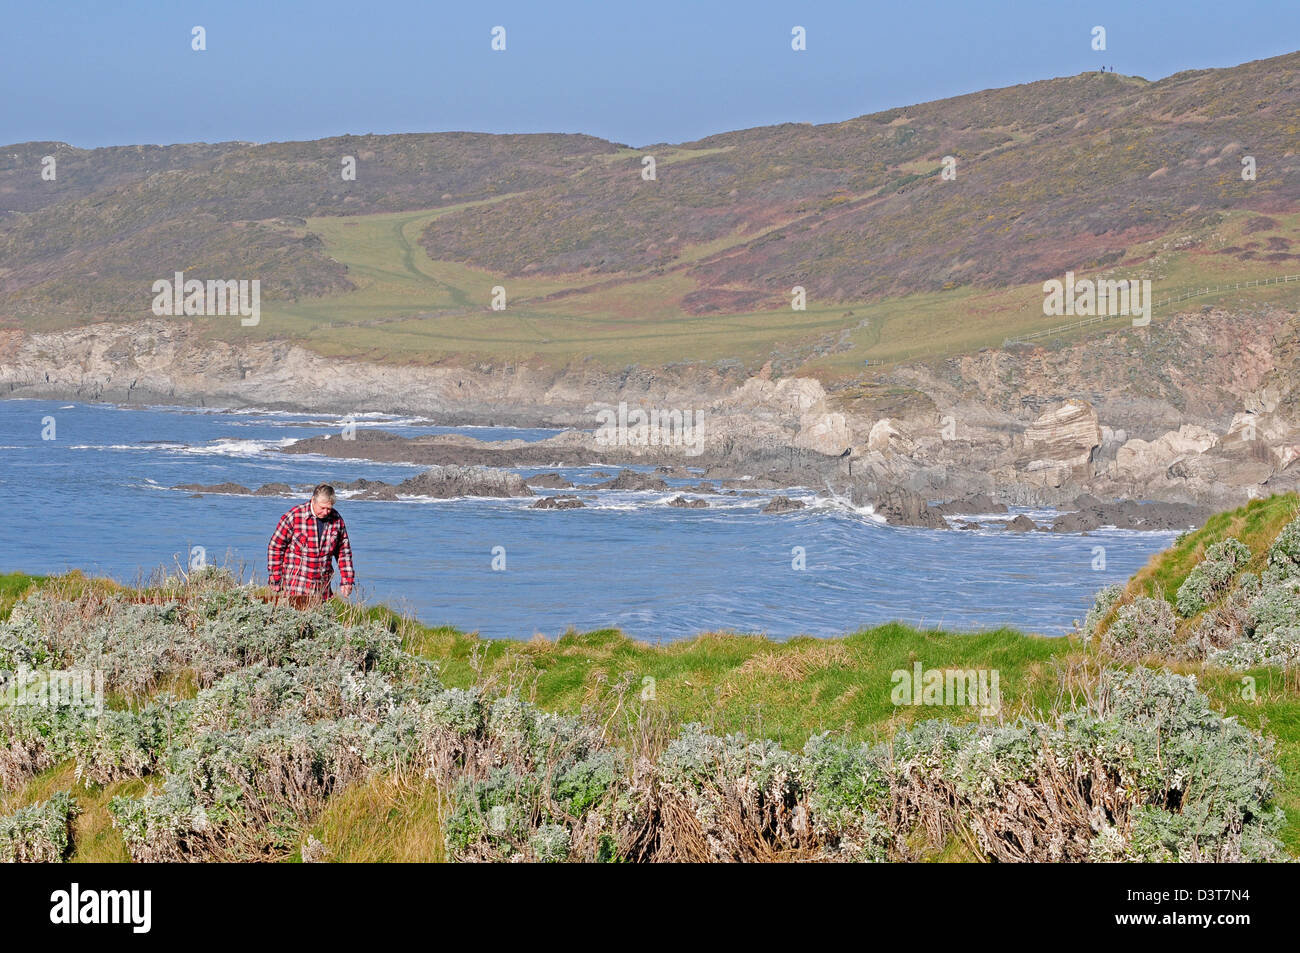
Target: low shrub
pixel 726 798
pixel 1101 608
pixel 40 833
pixel 129 744
pixel 1143 627
pixel 299 707
pixel 36 737
pixel 1284 553
pixel 1212 576
pixel 237 795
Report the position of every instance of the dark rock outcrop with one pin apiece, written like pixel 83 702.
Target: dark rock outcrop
pixel 632 480
pixel 684 503
pixel 1127 514
pixel 274 489
pixel 904 508
pixel 974 503
pixel 548 481
pixel 224 488
pixel 445 483
pixel 558 503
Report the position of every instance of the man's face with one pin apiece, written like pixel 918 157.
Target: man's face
pixel 320 507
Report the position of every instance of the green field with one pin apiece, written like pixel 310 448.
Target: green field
pixel 408 308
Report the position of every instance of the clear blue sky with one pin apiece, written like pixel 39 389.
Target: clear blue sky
pixel 93 72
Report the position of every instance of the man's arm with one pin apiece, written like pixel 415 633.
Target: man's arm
pixel 275 551
pixel 347 577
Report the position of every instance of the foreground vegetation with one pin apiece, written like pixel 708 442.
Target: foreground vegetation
pixel 238 730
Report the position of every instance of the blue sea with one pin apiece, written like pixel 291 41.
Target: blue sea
pixel 96 496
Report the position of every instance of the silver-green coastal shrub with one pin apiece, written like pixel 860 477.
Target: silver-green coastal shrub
pixel 1279 647
pixel 22 645
pixel 527 732
pixel 717 778
pixel 139 645
pixel 1224 623
pixel 39 833
pixel 494 817
pixel 848 791
pixel 586 783
pixel 1271 626
pixel 1276 606
pixel 1206 781
pixel 1212 577
pixel 244 794
pixel 1150 773
pixel 550 843
pixel 1101 606
pixel 1143 627
pixel 1284 554
pixel 460 710
pixel 527 776
pixel 37 737
pixel 258 695
pixel 130 744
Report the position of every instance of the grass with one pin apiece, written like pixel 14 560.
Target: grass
pixel 1255 524
pixel 408 308
pixel 12 587
pixel 388 820
pixel 782 690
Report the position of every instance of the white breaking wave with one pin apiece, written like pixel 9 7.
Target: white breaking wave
pixel 238 448
pixel 844 505
pixel 223 447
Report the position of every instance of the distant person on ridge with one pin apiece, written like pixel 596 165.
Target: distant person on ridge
pixel 305 542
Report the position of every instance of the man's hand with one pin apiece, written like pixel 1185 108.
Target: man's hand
pixel 345 590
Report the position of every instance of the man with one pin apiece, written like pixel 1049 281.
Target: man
pixel 305 541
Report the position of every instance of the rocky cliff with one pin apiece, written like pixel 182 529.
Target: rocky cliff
pixel 1201 408
pixel 165 361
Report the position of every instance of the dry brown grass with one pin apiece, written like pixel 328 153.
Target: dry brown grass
pixel 391 818
pixel 794 666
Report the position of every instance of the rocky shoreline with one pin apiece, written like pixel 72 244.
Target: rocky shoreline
pixel 896 507
pixel 1199 410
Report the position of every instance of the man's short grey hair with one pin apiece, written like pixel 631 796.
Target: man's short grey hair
pixel 324 490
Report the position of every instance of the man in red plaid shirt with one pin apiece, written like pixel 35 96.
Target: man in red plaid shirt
pixel 305 542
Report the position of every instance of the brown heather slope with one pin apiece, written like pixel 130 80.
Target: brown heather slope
pixel 82 172
pixel 1079 173
pixel 238 212
pixel 1053 175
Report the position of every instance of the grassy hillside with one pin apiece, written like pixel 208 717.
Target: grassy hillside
pixel 1099 174
pixel 410 308
pixel 1257 524
pixel 640 697
pixel 239 213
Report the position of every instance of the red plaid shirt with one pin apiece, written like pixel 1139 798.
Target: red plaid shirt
pixel 297 563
